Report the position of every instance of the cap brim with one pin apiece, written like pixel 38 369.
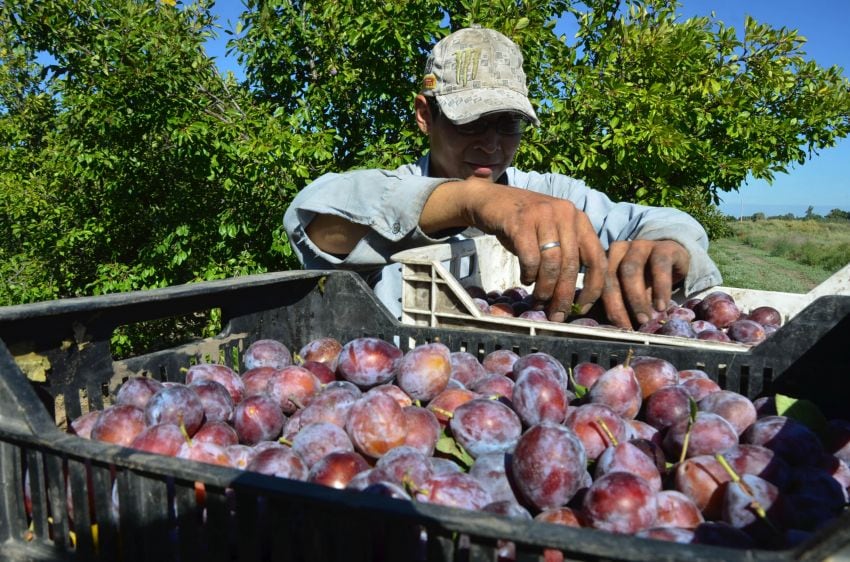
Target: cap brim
pixel 468 105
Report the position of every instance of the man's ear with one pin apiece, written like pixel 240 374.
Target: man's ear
pixel 423 113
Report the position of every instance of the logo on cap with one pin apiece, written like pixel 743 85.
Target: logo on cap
pixel 466 65
pixel 429 82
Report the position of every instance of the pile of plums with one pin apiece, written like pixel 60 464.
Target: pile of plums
pixel 714 317
pixel 642 447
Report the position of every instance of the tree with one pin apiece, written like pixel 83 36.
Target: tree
pixel 347 67
pixel 810 214
pixel 838 214
pixel 126 160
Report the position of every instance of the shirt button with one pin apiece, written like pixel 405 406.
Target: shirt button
pixel 396 228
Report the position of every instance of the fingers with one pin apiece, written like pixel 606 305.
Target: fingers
pixel 545 242
pixel 595 262
pixel 668 265
pixel 559 266
pixel 562 273
pixel 551 249
pixel 634 264
pixel 527 249
pixel 612 296
pixel 553 267
pixel 632 273
pixel 634 279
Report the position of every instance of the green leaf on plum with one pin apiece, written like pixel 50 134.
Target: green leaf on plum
pixel 447 444
pixel 804 411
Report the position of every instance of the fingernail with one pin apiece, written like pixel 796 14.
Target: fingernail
pixel 642 318
pixel 557 317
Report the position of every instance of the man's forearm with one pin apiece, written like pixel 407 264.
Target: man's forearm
pixel 444 208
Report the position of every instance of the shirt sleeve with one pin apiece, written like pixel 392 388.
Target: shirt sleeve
pixel 388 202
pixel 628 221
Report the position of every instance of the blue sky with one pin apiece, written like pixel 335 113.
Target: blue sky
pixel 823 181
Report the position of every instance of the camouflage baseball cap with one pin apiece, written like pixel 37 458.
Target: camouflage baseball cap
pixel 476 71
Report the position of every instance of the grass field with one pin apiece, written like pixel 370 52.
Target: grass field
pixel 791 256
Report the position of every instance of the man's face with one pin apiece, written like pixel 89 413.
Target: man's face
pixel 483 149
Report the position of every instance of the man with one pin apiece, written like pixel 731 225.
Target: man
pixel 474 107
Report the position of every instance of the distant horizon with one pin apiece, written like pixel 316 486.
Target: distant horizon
pixel 775 210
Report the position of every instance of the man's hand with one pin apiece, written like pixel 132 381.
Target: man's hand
pixel 640 278
pixel 527 223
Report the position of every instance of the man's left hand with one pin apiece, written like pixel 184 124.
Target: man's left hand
pixel 640 279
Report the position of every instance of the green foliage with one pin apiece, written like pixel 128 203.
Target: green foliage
pixel 804 411
pixel 349 68
pixel 128 162
pixel 712 219
pixel 447 444
pixel 145 337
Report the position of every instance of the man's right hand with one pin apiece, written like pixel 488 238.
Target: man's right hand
pixel 527 224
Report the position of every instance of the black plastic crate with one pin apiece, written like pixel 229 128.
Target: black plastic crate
pixel 243 516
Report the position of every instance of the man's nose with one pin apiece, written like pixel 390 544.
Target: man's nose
pixel 488 141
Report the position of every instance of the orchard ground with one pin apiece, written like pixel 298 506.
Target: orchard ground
pixel 783 255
